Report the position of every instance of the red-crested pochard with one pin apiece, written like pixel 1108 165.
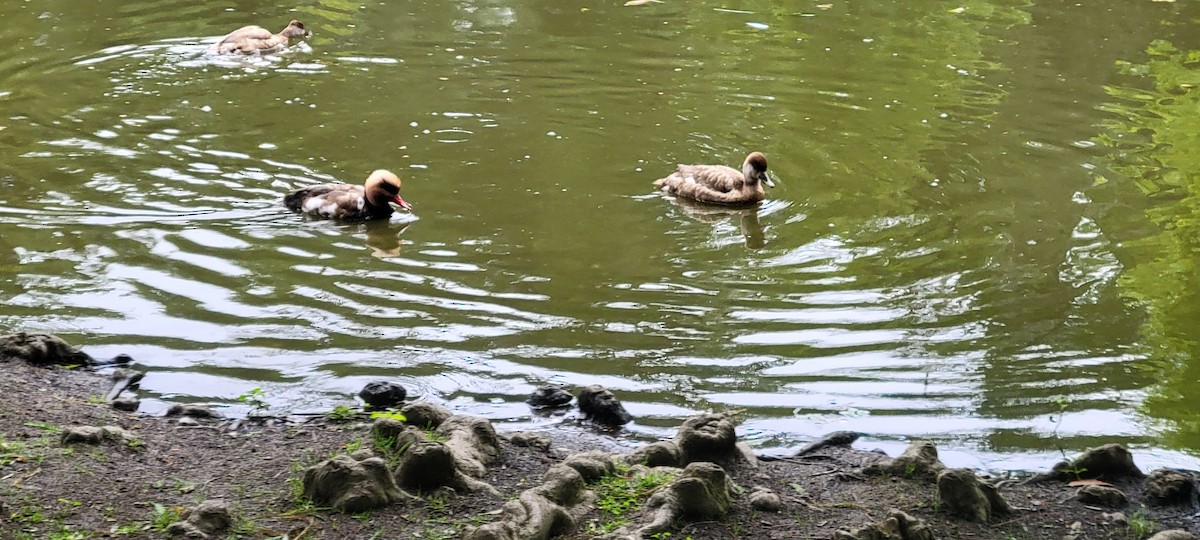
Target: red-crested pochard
pixel 720 184
pixel 256 39
pixel 346 201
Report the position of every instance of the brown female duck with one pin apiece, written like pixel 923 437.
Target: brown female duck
pixel 346 201
pixel 719 184
pixel 256 39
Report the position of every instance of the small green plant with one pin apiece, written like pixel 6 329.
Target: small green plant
pixel 1141 525
pixel 910 468
pixel 341 413
pixel 394 415
pixel 254 398
pixel 164 516
pixel 11 452
pixel 68 534
pixel 44 426
pixel 622 491
pixel 96 399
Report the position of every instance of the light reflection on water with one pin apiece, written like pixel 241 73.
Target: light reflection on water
pixel 914 274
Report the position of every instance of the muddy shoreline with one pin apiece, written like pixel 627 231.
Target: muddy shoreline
pixel 136 486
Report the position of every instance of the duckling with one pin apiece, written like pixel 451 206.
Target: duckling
pixel 350 202
pixel 719 184
pixel 256 39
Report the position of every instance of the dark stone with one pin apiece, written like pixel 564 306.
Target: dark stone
pixel 919 460
pixel 473 441
pixel 592 465
pixel 965 495
pixel 837 438
pixel 1107 496
pixel 602 407
pixel 351 486
pixel 658 454
pixel 42 350
pixel 549 397
pixel 708 437
pixel 191 411
pixel 425 415
pixel 1173 534
pixel 211 517
pixel 1111 462
pixel 765 500
pixel 531 440
pixel 427 465
pixel 897 526
pixel 123 379
pixel 94 435
pixel 126 403
pixel 1169 487
pixel 383 394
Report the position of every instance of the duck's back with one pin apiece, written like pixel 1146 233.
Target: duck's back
pixel 710 183
pixel 338 201
pixel 248 39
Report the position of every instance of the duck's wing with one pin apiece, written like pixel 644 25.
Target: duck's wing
pixel 716 177
pixel 342 201
pixel 709 183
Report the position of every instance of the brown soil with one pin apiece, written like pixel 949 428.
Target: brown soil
pixel 132 490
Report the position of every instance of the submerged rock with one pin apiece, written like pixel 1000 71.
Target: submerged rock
pixel 602 407
pixel 837 438
pixel 549 397
pixel 383 394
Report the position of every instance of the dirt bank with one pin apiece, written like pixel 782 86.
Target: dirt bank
pixel 134 487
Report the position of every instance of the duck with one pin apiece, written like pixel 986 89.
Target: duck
pixel 256 39
pixel 718 184
pixel 350 202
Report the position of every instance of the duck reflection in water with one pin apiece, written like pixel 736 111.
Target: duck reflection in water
pixel 383 237
pixel 746 215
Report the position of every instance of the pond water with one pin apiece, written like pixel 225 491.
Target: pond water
pixel 967 242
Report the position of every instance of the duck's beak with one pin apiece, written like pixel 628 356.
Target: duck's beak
pixel 766 179
pixel 403 204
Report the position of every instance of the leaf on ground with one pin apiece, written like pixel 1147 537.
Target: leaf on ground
pixel 824 6
pixel 640 2
pixel 958 10
pixel 1075 483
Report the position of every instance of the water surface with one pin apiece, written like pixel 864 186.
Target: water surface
pixel 948 254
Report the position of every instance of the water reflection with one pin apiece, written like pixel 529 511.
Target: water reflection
pixel 939 274
pixel 746 218
pixel 383 237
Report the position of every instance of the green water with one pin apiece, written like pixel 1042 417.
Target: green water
pixel 975 238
